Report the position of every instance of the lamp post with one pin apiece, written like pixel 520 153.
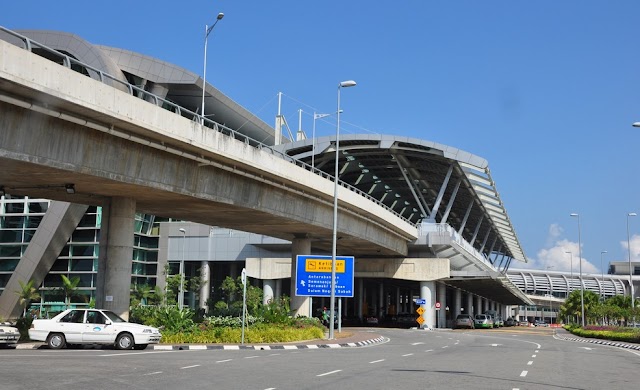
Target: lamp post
pixel 602 271
pixel 181 272
pixel 344 84
pixel 580 263
pixel 630 268
pixel 207 31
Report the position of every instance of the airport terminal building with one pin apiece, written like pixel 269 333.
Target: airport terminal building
pixel 457 256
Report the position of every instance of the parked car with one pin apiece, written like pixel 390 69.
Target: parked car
pixel 483 321
pixel 405 320
pixel 498 322
pixel 372 320
pixel 92 326
pixel 510 322
pixel 9 335
pixel 540 323
pixel 463 321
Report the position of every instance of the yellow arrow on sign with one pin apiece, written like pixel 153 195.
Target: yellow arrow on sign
pixel 420 320
pixel 420 310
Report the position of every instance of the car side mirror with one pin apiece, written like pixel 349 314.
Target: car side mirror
pixel 108 322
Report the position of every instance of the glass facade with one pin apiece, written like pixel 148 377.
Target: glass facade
pixel 19 220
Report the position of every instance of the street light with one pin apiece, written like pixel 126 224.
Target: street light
pixel 344 84
pixel 636 124
pixel 580 262
pixel 571 262
pixel 181 292
pixel 207 31
pixel 630 268
pixel 602 270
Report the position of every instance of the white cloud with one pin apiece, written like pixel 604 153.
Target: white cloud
pixel 556 258
pixel 635 247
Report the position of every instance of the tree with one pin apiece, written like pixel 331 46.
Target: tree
pixel 140 294
pixel 27 293
pixel 68 288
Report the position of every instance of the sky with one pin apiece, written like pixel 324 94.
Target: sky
pixel 545 91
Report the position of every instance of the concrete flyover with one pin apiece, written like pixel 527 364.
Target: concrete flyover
pixel 59 127
pixel 420 217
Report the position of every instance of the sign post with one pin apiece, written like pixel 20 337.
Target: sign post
pixel 244 300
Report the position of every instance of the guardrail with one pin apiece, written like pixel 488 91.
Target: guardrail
pixel 105 78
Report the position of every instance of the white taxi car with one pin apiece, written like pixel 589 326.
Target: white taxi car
pixel 92 326
pixel 9 335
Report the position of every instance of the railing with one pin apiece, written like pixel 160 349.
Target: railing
pixel 444 229
pixel 105 78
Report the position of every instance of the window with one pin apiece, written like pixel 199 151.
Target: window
pixel 74 316
pixel 95 317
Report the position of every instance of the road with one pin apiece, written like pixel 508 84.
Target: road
pixel 509 358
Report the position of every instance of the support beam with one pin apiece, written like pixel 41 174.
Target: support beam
pixel 301 245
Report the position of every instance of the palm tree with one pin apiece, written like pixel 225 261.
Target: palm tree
pixel 27 293
pixel 68 288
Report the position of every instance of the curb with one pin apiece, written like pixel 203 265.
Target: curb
pixel 199 347
pixel 600 342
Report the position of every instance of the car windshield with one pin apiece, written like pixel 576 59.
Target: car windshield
pixel 113 316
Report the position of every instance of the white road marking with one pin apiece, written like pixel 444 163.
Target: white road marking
pixel 222 361
pixel 329 373
pixel 377 361
pixel 417 343
pixel 195 365
pixel 429 350
pixel 533 356
pixel 587 348
pixel 495 345
pixel 408 354
pixel 154 373
pixel 524 373
pixel 537 351
pixel 446 346
pixel 530 362
pixel 251 357
pixel 274 354
pixel 132 353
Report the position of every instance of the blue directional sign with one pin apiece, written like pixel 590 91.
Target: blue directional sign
pixel 420 301
pixel 313 276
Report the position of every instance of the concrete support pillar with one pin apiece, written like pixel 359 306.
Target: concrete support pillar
pixel 205 288
pixel 469 305
pixel 428 293
pixel 442 298
pixel 268 286
pixel 381 310
pixel 361 297
pixel 299 246
pixel 398 299
pixel 409 307
pixel 457 303
pixel 478 309
pixel 485 305
pixel 116 256
pixel 278 289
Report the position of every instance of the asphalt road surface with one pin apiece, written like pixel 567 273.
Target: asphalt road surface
pixel 508 358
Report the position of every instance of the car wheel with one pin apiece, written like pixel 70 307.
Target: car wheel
pixel 124 341
pixel 140 346
pixel 56 341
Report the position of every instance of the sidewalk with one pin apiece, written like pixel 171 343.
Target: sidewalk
pixel 349 338
pixel 564 334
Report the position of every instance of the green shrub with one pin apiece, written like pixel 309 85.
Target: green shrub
pixel 23 324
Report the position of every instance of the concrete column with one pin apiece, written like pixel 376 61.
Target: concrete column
pixel 278 288
pixel 268 286
pixel 382 302
pixel 428 293
pixel 478 309
pixel 469 305
pixel 409 307
pixel 398 307
pixel 485 305
pixel 457 302
pixel 361 297
pixel 116 256
pixel 205 288
pixel 442 298
pixel 299 246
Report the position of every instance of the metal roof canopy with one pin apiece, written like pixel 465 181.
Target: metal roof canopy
pixel 414 177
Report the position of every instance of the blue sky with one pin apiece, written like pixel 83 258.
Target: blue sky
pixel 546 91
